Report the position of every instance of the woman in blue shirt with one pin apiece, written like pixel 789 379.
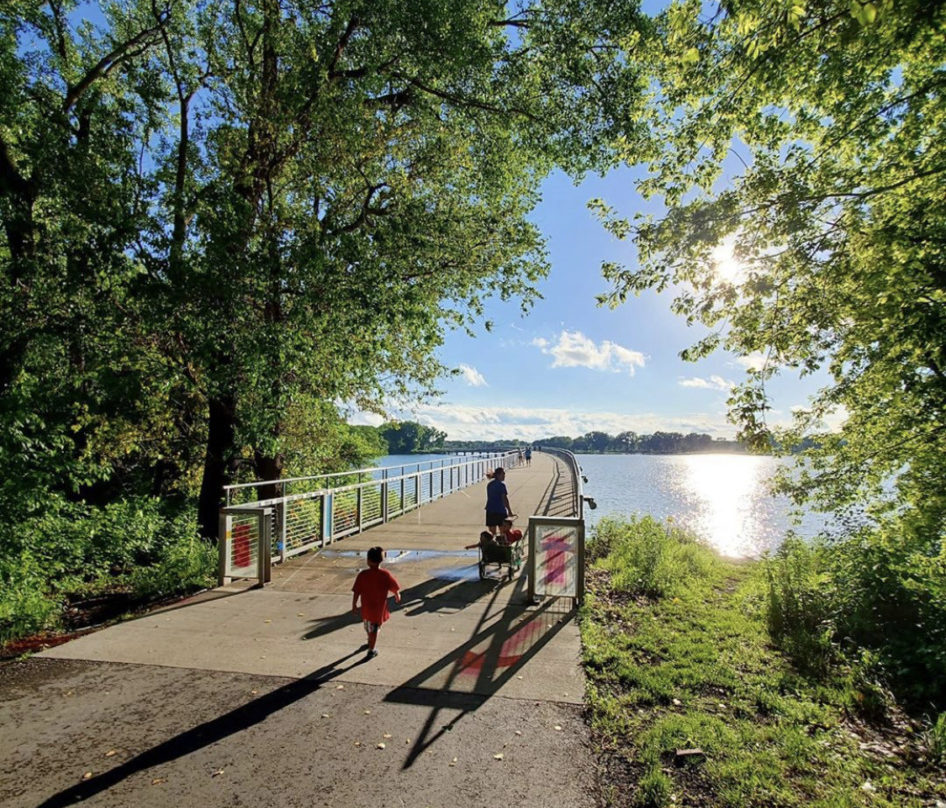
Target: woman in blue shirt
pixel 497 501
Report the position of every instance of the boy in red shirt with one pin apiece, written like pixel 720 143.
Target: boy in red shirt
pixel 372 586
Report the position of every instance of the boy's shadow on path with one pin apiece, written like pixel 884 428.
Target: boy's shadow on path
pixel 207 733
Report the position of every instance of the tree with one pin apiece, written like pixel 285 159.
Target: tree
pixel 835 112
pixel 836 219
pixel 596 441
pixel 626 441
pixel 406 437
pixel 83 389
pixel 369 167
pixel 288 203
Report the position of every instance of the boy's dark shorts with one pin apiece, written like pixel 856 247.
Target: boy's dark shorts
pixel 495 519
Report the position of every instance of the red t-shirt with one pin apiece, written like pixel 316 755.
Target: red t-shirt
pixel 373 585
pixel 512 536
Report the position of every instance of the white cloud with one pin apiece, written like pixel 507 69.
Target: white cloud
pixel 712 383
pixel 574 349
pixel 472 376
pixel 465 422
pixel 754 361
pixel 836 419
pixel 358 417
pixel 832 421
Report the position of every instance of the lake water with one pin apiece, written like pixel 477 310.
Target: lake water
pixel 723 498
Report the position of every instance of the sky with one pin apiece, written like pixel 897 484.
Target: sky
pixel 570 366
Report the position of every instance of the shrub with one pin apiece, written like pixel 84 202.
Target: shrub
pixel 186 564
pixel 72 550
pixel 799 609
pixel 891 598
pixel 25 608
pixel 877 598
pixel 647 557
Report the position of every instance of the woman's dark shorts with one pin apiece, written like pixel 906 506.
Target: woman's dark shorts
pixel 495 519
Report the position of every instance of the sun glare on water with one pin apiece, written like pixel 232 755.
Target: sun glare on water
pixel 730 501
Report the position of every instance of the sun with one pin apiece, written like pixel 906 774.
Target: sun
pixel 728 268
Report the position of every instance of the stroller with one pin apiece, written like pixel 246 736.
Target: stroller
pixel 502 555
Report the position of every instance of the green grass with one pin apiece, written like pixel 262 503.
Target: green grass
pixel 695 667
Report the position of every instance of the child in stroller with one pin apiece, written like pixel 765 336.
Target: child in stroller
pixel 505 550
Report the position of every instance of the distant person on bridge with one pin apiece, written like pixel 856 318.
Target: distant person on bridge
pixel 497 501
pixel 372 586
pixel 528 455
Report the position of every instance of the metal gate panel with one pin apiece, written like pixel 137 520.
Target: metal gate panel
pixel 556 557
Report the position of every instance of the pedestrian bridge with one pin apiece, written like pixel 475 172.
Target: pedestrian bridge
pixel 423 514
pixel 451 633
pixel 477 690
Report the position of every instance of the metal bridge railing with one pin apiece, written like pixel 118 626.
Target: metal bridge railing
pixel 248 493
pixel 556 561
pixel 255 534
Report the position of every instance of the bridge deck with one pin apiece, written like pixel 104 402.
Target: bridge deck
pixel 263 697
pixel 451 631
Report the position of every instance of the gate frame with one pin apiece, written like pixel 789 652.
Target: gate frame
pixel 553 521
pixel 264 540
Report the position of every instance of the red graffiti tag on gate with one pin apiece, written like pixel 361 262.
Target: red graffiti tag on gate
pixel 555 550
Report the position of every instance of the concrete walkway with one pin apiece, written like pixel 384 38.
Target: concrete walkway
pixel 262 696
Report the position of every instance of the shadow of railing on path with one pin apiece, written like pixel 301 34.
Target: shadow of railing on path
pixel 518 634
pixel 559 499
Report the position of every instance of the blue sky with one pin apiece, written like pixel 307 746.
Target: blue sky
pixel 570 366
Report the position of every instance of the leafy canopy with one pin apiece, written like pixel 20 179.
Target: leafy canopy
pixel 812 137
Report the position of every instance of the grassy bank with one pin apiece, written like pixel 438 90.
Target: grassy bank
pixel 692 703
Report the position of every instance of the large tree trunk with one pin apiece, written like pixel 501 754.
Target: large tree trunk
pixel 218 463
pixel 250 185
pixel 19 229
pixel 269 468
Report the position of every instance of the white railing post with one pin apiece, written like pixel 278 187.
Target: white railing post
pixel 384 497
pixel 223 548
pixel 359 510
pixel 326 519
pixel 281 521
pixel 264 547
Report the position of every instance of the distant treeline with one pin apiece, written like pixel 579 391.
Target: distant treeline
pixel 404 437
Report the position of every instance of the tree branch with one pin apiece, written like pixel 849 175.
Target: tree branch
pixel 135 46
pixel 473 103
pixel 342 44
